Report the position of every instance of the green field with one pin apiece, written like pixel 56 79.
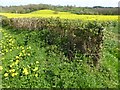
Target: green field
pixel 29 62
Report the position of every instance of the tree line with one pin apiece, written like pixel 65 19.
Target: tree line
pixel 96 10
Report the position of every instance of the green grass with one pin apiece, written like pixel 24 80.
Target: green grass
pixel 48 67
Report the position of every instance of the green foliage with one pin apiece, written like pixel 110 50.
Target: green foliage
pixel 69 35
pixel 45 66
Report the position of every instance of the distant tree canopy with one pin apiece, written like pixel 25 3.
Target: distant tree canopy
pixel 73 9
pixel 98 7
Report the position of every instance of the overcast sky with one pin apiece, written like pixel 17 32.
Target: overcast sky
pixel 90 3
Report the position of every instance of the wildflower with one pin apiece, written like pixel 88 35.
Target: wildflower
pixel 117 48
pixel 22 47
pixel 17 61
pixel 35 69
pixel 23 51
pixel 17 57
pixel 24 54
pixel 25 71
pixel 17 47
pixel 28 54
pixel 14 74
pixel 6 74
pixel 10 44
pixel 20 54
pixel 36 75
pixel 6 50
pixel 12 70
pixel 29 47
pixel 37 62
pixel 10 40
pixel 1 68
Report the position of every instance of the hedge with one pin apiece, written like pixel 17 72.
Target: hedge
pixel 74 35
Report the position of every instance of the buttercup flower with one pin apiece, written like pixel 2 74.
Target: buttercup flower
pixel 37 62
pixel 22 47
pixel 28 54
pixel 17 61
pixel 14 74
pixel 12 70
pixel 36 68
pixel 29 47
pixel 25 71
pixel 6 50
pixel 10 49
pixel 20 54
pixel 17 57
pixel 36 75
pixel 23 51
pixel 6 74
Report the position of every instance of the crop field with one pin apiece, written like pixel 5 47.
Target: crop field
pixel 62 15
pixel 40 52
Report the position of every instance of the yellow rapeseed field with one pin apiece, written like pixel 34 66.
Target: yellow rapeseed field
pixel 62 15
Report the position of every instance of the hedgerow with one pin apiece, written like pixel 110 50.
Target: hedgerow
pixel 70 35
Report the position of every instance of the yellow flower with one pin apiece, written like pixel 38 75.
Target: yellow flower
pixel 1 68
pixel 25 71
pixel 23 51
pixel 12 70
pixel 17 47
pixel 10 40
pixel 29 47
pixel 36 75
pixel 28 54
pixel 14 74
pixel 17 57
pixel 22 47
pixel 20 54
pixel 37 62
pixel 24 54
pixel 35 69
pixel 6 50
pixel 17 61
pixel 10 44
pixel 6 74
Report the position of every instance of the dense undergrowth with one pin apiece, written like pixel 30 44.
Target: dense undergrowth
pixel 29 61
pixel 71 36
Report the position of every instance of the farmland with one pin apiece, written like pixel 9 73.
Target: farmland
pixel 62 15
pixel 35 55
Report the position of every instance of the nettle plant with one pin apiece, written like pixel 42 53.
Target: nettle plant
pixel 71 36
